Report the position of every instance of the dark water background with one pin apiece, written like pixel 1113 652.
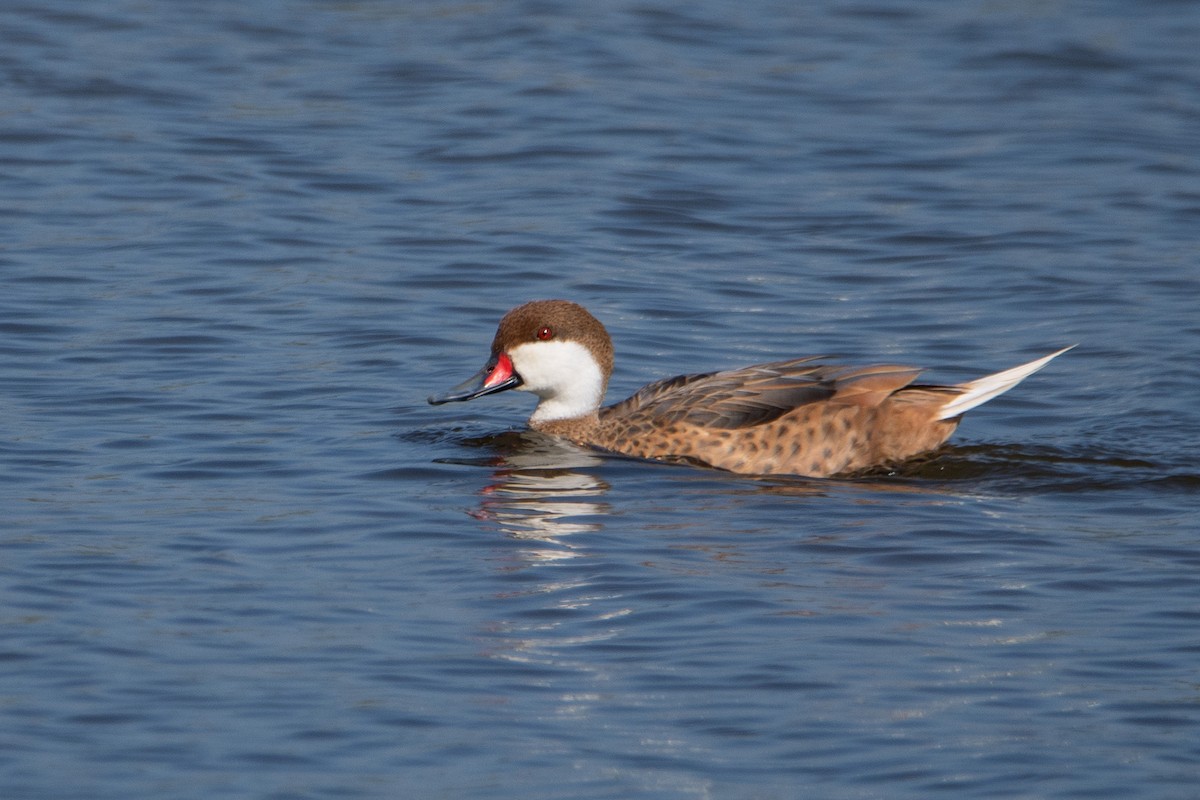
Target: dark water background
pixel 241 242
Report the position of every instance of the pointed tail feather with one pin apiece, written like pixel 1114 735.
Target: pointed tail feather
pixel 980 390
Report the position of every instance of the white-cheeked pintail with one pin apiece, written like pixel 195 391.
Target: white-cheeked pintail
pixel 795 417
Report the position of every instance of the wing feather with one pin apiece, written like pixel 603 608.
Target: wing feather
pixel 743 398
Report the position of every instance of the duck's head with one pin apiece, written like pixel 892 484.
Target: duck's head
pixel 552 348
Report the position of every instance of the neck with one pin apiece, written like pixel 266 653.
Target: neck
pixel 576 428
pixel 556 409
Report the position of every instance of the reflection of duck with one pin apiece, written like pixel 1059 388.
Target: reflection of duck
pixel 795 417
pixel 543 491
pixel 543 505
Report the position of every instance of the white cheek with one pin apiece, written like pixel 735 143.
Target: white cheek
pixel 564 375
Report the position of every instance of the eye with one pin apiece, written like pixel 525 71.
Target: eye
pixel 545 332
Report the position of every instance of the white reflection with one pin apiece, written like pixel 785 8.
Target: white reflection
pixel 544 493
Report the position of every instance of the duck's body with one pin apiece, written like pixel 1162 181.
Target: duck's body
pixel 797 417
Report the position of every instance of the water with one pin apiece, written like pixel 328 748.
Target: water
pixel 242 557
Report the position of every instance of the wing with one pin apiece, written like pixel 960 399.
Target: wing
pixel 743 398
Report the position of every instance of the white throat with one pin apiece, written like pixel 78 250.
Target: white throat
pixel 563 374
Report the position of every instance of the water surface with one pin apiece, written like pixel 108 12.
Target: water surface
pixel 240 556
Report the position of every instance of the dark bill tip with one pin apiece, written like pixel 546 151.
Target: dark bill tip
pixel 497 376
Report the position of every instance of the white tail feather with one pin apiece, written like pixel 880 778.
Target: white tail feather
pixel 980 390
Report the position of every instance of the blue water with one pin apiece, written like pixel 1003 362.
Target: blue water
pixel 240 556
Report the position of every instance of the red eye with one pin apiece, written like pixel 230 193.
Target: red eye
pixel 545 332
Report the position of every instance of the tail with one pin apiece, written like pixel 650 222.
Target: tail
pixel 980 390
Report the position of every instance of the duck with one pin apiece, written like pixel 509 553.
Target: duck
pixel 801 416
